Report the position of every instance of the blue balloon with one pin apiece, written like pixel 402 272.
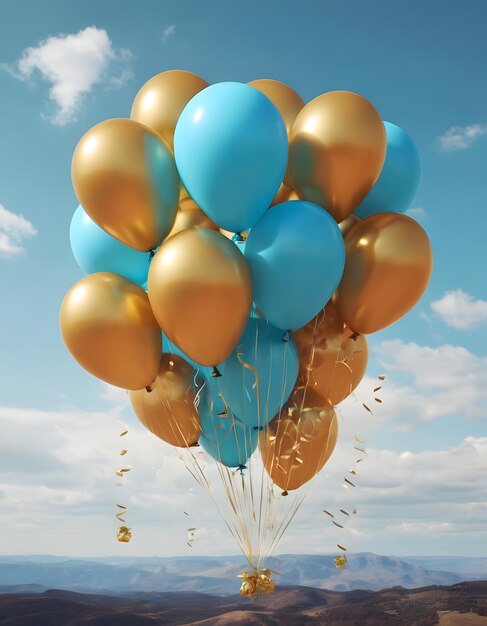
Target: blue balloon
pixel 230 146
pixel 296 256
pixel 97 251
pixel 257 394
pixel 231 447
pixel 399 179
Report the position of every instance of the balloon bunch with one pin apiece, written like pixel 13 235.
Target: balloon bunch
pixel 239 244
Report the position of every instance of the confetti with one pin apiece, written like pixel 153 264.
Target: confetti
pixel 349 482
pixel 377 389
pixel 341 547
pixel 123 452
pixel 378 400
pixel 328 513
pixel 366 407
pixel 340 562
pixel 337 524
pixel 344 512
pixel 381 377
pixel 124 433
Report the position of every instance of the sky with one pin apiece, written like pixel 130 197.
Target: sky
pixel 66 65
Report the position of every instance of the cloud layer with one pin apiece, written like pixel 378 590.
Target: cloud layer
pixel 14 229
pixel 461 137
pixel 460 310
pixel 72 65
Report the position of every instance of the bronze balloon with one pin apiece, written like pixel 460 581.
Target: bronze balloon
pixel 108 326
pixel 285 194
pixel 160 101
pixel 166 407
pixel 201 293
pixel 388 266
pixel 298 442
pixel 286 100
pixel 126 179
pixel 332 359
pixel 337 148
pixel 347 224
pixel 189 215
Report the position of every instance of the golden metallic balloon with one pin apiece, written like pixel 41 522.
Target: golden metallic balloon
pixel 126 179
pixel 160 101
pixel 167 408
pixel 286 100
pixel 298 442
pixel 347 224
pixel 332 359
pixel 108 326
pixel 388 266
pixel 285 194
pixel 189 215
pixel 201 293
pixel 337 148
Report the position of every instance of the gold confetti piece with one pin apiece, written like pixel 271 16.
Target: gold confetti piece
pixel 341 547
pixel 189 545
pixel 359 461
pixel 337 524
pixel 354 512
pixel 191 530
pixel 124 433
pixel 120 519
pixel 348 481
pixel 185 512
pixel 344 512
pixel 124 534
pixel 366 407
pixel 377 389
pixel 381 377
pixel 123 452
pixel 121 506
pixel 378 400
pixel 125 469
pixel 340 561
pixel 119 474
pixel 328 513
pixel 352 471
pixel 360 449
pixel 358 440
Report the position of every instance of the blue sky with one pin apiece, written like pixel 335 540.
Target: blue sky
pixel 422 65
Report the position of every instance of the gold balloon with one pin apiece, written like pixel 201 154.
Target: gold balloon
pixel 337 148
pixel 298 442
pixel 286 100
pixel 347 224
pixel 189 215
pixel 160 101
pixel 285 194
pixel 332 359
pixel 125 177
pixel 201 293
pixel 388 266
pixel 107 324
pixel 167 408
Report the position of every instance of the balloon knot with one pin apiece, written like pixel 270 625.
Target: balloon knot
pixel 284 493
pixel 148 389
pixel 355 336
pixel 259 428
pixel 151 255
pixel 215 373
pixel 286 336
pixel 241 468
pixel 237 237
pixel 195 445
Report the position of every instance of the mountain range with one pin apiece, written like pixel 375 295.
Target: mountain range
pixel 218 575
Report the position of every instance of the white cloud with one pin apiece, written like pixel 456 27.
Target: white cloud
pixel 168 32
pixel 73 64
pixel 14 229
pixel 460 310
pixel 461 137
pixel 417 213
pixel 114 395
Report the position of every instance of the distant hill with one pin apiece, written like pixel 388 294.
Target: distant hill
pixel 464 604
pixel 218 575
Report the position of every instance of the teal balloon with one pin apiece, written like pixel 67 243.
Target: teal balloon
pixel 97 251
pixel 296 255
pixel 399 179
pixel 259 375
pixel 230 146
pixel 231 447
pixel 214 413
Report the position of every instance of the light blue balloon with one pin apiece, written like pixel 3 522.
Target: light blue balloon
pixel 97 251
pixel 230 146
pixel 231 447
pixel 257 394
pixel 399 179
pixel 296 256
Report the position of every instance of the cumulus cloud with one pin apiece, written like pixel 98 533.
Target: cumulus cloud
pixel 461 137
pixel 417 213
pixel 73 64
pixel 14 229
pixel 460 310
pixel 168 32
